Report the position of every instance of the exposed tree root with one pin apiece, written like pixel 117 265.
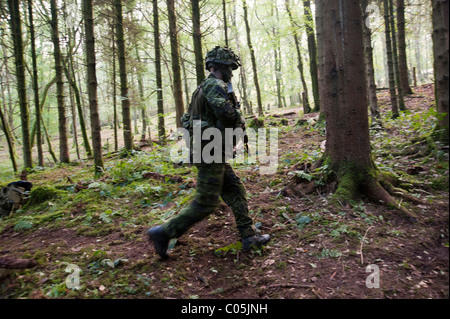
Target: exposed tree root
pixel 378 193
pixel 380 187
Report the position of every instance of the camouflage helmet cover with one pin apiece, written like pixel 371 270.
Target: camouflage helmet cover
pixel 223 55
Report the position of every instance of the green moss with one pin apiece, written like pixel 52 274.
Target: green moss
pixel 42 194
pixel 353 178
pixel 256 123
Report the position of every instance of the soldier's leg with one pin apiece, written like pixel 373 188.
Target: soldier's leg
pixel 234 195
pixel 209 186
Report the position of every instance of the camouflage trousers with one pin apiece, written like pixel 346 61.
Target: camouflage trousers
pixel 214 181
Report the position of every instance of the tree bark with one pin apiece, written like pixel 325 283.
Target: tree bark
pixel 159 92
pixel 441 67
pixel 197 38
pixel 35 86
pixel 176 68
pixel 400 94
pixel 306 106
pixel 402 58
pixel 92 87
pixel 370 71
pixel 225 24
pixel 390 62
pixel 312 49
pixel 114 88
pixel 243 79
pixel 344 100
pixel 252 56
pixel 16 31
pixel 62 120
pixel 127 132
pixel 9 141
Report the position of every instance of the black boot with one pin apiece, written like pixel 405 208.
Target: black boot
pixel 160 240
pixel 254 241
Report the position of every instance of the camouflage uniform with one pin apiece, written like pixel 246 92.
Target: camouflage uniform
pixel 211 105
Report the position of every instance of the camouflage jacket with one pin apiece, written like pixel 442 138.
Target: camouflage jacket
pixel 212 105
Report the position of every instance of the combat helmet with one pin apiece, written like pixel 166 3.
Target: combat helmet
pixel 223 55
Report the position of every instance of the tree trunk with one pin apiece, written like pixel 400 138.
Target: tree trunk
pixel 441 67
pixel 402 58
pixel 197 37
pixel 92 87
pixel 400 94
pixel 370 71
pixel 159 93
pixel 312 49
pixel 35 87
pixel 344 100
pixel 141 98
pixel 277 58
pixel 70 75
pixel 127 132
pixel 252 56
pixel 114 86
pixel 242 76
pixel 63 140
pixel 16 32
pixel 9 141
pixel 225 25
pixel 390 62
pixel 176 68
pixel 306 106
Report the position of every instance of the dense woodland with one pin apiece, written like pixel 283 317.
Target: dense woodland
pixel 92 92
pixel 122 68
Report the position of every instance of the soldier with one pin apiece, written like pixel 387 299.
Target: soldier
pixel 213 107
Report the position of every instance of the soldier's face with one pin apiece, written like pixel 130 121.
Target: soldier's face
pixel 227 74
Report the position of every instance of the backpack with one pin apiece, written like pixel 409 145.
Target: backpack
pixel 194 110
pixel 14 196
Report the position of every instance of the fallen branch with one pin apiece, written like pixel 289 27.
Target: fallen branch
pixel 11 263
pixel 362 243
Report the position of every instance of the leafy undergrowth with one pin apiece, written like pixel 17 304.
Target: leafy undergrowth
pixel 318 249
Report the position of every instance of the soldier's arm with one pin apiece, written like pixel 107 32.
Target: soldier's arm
pixel 218 100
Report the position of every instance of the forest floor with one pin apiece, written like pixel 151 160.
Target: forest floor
pixel 318 249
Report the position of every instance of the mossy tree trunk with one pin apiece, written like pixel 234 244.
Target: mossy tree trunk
pixel 440 51
pixel 175 57
pixel 312 49
pixel 370 70
pixel 35 86
pixel 400 93
pixel 159 93
pixel 92 86
pixel 344 101
pixel 127 131
pixel 62 119
pixel 390 61
pixel 402 57
pixel 197 39
pixel 16 32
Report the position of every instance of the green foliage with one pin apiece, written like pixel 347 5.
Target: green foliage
pixel 42 194
pixel 233 248
pixel 23 224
